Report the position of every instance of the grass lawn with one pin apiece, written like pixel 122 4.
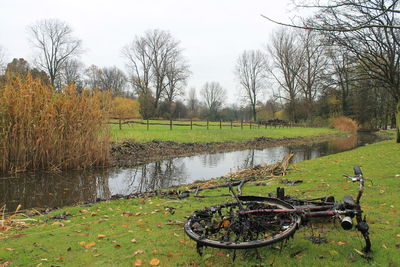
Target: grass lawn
pixel 125 232
pixel 139 132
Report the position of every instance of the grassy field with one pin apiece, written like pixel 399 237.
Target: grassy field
pixel 141 232
pixel 139 132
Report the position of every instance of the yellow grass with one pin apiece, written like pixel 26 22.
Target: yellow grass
pixel 41 129
pixel 344 124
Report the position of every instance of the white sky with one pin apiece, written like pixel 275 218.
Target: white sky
pixel 212 32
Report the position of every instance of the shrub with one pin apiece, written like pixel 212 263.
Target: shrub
pixel 344 124
pixel 41 129
pixel 122 106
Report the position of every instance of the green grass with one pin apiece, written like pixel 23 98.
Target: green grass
pixel 139 132
pixel 49 243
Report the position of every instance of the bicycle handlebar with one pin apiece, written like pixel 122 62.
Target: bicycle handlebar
pixel 357 178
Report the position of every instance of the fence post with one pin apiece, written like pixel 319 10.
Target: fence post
pixel 258 127
pixel 170 124
pixel 250 124
pixel 265 125
pixel 220 124
pixel 147 125
pixel 241 124
pixel 120 124
pixel 191 124
pixel 231 125
pixel 207 124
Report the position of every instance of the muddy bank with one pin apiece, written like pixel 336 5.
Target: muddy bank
pixel 131 153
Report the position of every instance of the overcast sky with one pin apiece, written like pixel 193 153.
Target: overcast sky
pixel 212 32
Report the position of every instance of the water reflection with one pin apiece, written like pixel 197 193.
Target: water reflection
pixel 52 190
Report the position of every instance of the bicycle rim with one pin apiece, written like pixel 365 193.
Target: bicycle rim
pixel 229 226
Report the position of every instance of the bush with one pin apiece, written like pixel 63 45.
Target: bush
pixel 122 106
pixel 344 124
pixel 41 129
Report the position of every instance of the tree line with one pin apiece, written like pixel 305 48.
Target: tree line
pixel 327 66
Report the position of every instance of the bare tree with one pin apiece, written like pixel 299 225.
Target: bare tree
pixel 314 64
pixel 193 101
pixel 333 15
pixel 368 30
pixel 92 78
pixel 55 44
pixel 341 74
pixel 177 75
pixel 213 95
pixel 149 59
pixel 71 73
pixel 138 59
pixel 250 70
pixel 287 65
pixel 112 79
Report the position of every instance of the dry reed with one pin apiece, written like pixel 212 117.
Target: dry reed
pixel 344 124
pixel 41 129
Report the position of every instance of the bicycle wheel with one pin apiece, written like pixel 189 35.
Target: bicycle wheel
pixel 249 225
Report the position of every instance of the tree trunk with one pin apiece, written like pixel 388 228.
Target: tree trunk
pixel 398 122
pixel 254 113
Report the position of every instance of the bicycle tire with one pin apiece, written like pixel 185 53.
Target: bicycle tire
pixel 229 226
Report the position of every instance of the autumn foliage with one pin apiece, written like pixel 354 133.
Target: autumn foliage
pixel 125 107
pixel 344 124
pixel 41 129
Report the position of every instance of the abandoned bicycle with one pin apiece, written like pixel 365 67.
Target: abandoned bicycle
pixel 254 221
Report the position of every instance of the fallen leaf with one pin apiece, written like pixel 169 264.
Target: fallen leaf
pixel 226 223
pixel 138 262
pixel 96 255
pixel 209 263
pixel 125 225
pixel 93 214
pixel 154 262
pixel 384 246
pixel 398 235
pixel 58 223
pixel 44 259
pixel 341 243
pixel 133 240
pixel 138 252
pixel 381 191
pixel 83 211
pixel 220 253
pixel 89 245
pixel 170 255
pixel 127 214
pixel 117 246
pixel 8 249
pixel 101 236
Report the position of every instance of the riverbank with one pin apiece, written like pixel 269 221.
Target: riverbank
pixel 131 153
pixel 148 231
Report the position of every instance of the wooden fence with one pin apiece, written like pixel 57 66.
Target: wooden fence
pixel 190 123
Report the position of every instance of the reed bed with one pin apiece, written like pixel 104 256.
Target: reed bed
pixel 41 129
pixel 344 124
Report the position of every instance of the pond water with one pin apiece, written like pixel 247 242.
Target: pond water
pixel 42 190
